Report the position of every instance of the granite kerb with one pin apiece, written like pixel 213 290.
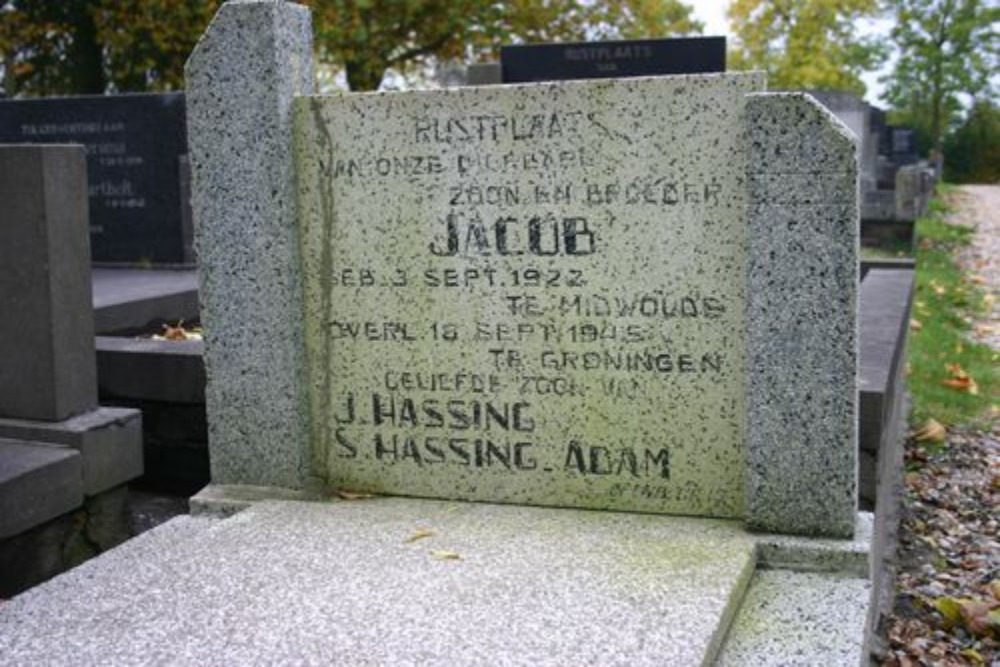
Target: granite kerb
pixel 849 556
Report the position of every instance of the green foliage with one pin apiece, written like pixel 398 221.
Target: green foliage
pixel 944 301
pixel 366 37
pixel 946 48
pixel 98 46
pixel 50 47
pixel 147 42
pixel 804 43
pixel 972 151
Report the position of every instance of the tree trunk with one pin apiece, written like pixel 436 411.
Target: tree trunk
pixel 85 57
pixel 364 74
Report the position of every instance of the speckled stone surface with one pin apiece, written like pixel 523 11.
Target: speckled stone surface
pixel 241 78
pixel 802 245
pixel 345 583
pixel 799 619
pixel 530 294
pixel 821 554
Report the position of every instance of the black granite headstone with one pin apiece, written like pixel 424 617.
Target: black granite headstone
pixel 899 144
pixel 133 145
pixel 600 60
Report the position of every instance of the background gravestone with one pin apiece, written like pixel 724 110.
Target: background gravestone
pixel 614 59
pixel 133 145
pixel 47 365
pixel 58 447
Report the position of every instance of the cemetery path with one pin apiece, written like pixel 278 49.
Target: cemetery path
pixel 978 206
pixel 947 607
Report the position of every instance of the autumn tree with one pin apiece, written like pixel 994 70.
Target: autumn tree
pixel 98 46
pixel 366 37
pixel 147 42
pixel 946 48
pixel 804 43
pixel 50 47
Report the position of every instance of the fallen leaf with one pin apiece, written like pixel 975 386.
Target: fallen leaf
pixel 966 384
pixel 960 380
pixel 915 325
pixel 977 616
pixel 174 333
pixel 932 431
pixel 445 555
pixel 956 370
pixel 977 279
pixel 938 288
pixel 950 610
pixel 345 494
pixel 419 534
pixel 974 655
pixel 995 588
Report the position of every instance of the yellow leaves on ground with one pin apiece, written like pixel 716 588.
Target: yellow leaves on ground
pixel 932 431
pixel 959 380
pixel 981 617
pixel 437 554
pixel 179 332
pixel 915 325
pixel 419 534
pixel 938 288
pixel 984 330
pixel 346 494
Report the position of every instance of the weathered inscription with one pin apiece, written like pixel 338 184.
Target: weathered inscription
pixel 530 294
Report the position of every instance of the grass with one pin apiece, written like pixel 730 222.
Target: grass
pixel 887 250
pixel 945 304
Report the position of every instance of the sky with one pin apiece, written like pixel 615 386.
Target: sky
pixel 713 14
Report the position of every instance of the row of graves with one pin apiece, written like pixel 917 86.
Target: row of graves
pixel 96 244
pixel 549 373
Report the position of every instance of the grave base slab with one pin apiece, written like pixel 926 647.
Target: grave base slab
pixel 37 483
pixel 402 581
pixel 108 439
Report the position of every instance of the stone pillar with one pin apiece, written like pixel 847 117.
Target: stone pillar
pixel 241 79
pixel 908 193
pixel 47 361
pixel 801 363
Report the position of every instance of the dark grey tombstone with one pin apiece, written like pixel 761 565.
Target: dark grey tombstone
pixel 47 366
pixel 883 319
pixel 899 144
pixel 601 60
pixel 133 145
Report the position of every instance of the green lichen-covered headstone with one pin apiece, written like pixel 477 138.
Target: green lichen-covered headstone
pixel 529 294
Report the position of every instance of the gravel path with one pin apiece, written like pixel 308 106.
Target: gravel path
pixel 978 206
pixel 948 581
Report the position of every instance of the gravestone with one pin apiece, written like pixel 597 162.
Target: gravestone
pixel 48 382
pixel 47 339
pixel 526 63
pixel 856 114
pixel 133 145
pixel 533 294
